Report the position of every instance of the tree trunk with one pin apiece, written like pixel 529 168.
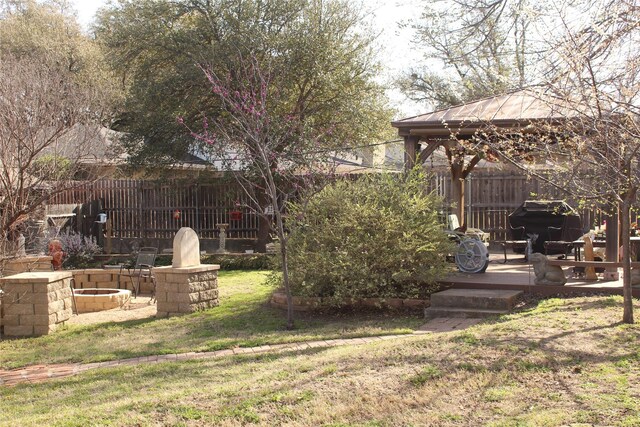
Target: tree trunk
pixel 627 316
pixel 285 282
pixel 264 226
pixel 263 234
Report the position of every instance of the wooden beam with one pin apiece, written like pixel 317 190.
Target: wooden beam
pixel 428 151
pixel 469 167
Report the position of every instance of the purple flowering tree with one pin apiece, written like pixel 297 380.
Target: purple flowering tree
pixel 273 151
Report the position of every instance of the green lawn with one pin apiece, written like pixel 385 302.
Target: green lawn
pixel 243 319
pixel 555 363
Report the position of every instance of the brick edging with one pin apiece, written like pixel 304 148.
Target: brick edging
pixel 39 373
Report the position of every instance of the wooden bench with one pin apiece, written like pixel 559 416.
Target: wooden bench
pixel 607 265
pixel 598 264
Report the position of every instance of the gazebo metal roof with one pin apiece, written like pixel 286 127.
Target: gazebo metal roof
pixel 517 109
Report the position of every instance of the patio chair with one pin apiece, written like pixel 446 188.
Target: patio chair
pixel 143 269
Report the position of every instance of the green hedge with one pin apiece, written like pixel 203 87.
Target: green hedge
pixel 240 262
pixel 377 237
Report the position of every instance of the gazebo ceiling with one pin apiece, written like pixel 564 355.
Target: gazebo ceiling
pixel 517 110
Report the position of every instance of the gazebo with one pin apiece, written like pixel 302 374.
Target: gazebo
pixel 522 112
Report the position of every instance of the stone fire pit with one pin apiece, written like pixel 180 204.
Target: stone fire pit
pixel 90 300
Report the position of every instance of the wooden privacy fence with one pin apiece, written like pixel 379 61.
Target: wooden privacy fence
pixel 490 196
pixel 150 210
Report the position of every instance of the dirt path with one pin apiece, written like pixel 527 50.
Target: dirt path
pixel 139 308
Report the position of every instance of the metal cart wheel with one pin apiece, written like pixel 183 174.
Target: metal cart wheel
pixel 472 256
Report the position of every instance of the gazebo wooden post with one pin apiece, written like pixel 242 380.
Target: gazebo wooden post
pixel 411 149
pixel 457 188
pixel 613 241
pixel 459 173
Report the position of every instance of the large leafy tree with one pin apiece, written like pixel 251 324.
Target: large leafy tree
pixel 320 54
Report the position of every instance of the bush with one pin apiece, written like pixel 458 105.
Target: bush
pixel 241 262
pixel 379 236
pixel 79 250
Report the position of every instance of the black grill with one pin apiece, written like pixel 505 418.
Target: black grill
pixel 545 220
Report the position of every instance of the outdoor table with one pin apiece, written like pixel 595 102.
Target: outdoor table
pixel 599 243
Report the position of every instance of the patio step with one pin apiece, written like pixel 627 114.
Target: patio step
pixel 471 303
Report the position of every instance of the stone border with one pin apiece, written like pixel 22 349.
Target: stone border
pixel 91 300
pixel 279 300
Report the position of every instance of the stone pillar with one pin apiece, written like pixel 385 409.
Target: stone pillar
pixel 181 290
pixel 35 303
pixel 187 285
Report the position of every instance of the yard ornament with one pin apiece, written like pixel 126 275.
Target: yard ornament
pixel 546 274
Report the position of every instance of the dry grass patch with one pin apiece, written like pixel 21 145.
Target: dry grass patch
pixel 243 319
pixel 562 362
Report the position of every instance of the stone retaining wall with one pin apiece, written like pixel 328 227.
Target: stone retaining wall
pixel 108 278
pixel 91 300
pixel 35 303
pixel 186 289
pixel 25 264
pixel 279 300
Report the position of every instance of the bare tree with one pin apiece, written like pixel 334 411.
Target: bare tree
pixel 273 154
pixel 473 49
pixel 44 136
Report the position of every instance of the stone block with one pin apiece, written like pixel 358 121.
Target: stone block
pixel 19 309
pixel 62 293
pixel 80 278
pixel 161 296
pixel 42 319
pixel 177 278
pixel 170 288
pixel 160 277
pixel 44 330
pixel 64 315
pixel 100 277
pixel 206 276
pixel 55 306
pixel 58 285
pixel 208 294
pixel 18 331
pixel 170 307
pixel 186 308
pixel 18 288
pixel 179 297
pixel 43 298
pixel 11 320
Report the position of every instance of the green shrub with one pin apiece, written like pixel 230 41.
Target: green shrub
pixel 240 262
pixel 378 236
